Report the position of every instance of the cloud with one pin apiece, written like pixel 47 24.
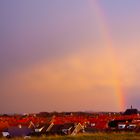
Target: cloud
pixel 88 75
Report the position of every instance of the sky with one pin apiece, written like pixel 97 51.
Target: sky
pixel 69 55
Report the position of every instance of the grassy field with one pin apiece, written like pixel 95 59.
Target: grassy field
pixel 96 136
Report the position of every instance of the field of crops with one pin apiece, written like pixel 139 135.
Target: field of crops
pixel 96 136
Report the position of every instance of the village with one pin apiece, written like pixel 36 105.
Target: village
pixel 68 123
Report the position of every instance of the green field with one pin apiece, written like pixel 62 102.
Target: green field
pixel 96 136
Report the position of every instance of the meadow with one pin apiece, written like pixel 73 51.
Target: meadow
pixel 95 136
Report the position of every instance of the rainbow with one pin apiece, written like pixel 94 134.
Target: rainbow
pixel 108 44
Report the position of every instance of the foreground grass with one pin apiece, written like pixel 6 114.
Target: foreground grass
pixel 96 136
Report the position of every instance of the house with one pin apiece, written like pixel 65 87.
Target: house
pixel 42 129
pixel 66 129
pixel 90 127
pixel 31 125
pixel 122 126
pixel 127 126
pixel 56 129
pixel 115 124
pixel 17 131
pixel 78 129
pixel 131 126
pixel 131 111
